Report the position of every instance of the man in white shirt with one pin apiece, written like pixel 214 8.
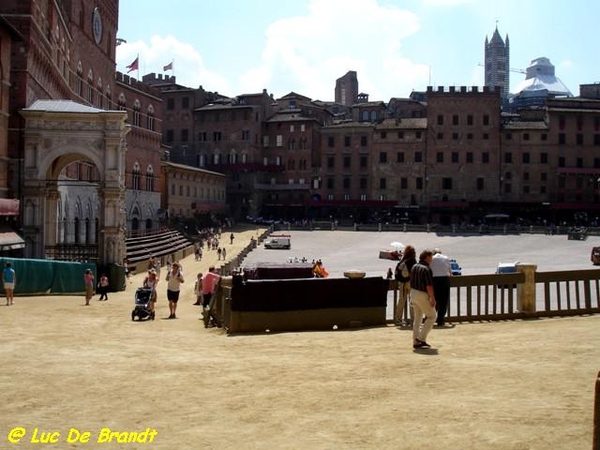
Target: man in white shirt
pixel 442 271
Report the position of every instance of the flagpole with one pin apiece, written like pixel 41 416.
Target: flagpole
pixel 138 66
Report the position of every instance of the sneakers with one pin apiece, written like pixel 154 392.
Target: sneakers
pixel 421 344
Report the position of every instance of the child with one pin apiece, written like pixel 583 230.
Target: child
pixel 198 290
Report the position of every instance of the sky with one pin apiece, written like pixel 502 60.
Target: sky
pixel 237 47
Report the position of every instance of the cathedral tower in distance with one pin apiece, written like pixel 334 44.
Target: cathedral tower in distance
pixel 497 63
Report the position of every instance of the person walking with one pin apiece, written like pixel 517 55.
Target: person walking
pixel 209 286
pixel 174 280
pixel 402 275
pixel 9 281
pixel 151 282
pixel 198 290
pixel 88 282
pixel 442 271
pixel 231 237
pixel 103 287
pixel 422 299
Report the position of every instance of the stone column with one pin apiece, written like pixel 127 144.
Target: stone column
pixel 526 297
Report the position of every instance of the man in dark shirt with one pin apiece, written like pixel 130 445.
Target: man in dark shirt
pixel 422 299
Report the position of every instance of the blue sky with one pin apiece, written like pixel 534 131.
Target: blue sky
pixel 237 47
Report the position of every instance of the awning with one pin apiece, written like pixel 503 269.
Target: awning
pixel 9 240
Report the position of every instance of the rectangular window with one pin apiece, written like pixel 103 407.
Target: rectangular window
pixel 470 119
pixel 525 136
pixel 346 162
pixel 579 139
pixel 562 138
pixel 469 136
pixel 419 183
pixel 455 119
pixel 543 158
pixel 418 135
pixel 217 136
pixel 485 157
pixel 544 137
pixel 403 183
pixel 480 184
pixel 440 135
pixel 185 102
pixel 363 161
pixel 526 158
pixel 418 157
pixel 400 157
pixel 446 183
pixel 363 141
pixel 455 157
pixel 346 183
pixel 346 141
pixel 330 142
pixel 363 183
pixel 330 183
pixel 508 157
pixel 508 136
pixel 279 140
pixel 486 119
pixel 184 135
pixel 169 135
pixel 383 135
pixel 382 157
pixel 170 103
pixel 469 157
pixel 439 157
pixel 382 183
pixel 440 119
pixel 400 134
pixel 561 161
pixel 331 162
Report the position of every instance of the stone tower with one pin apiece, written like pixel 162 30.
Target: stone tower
pixel 497 63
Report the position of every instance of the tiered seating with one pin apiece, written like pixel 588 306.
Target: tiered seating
pixel 161 243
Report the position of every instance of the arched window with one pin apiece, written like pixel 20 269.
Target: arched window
pixel 150 179
pixel 373 116
pixel 136 113
pixel 365 116
pixel 150 118
pixel 135 177
pixel 108 97
pixel 122 102
pixel 100 96
pixel 79 83
pixel 90 87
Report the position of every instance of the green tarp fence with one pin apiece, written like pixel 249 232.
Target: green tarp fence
pixel 42 276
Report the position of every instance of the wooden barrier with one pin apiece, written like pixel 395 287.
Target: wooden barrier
pixel 305 304
pixel 596 438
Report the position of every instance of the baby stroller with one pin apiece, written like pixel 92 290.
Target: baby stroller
pixel 142 305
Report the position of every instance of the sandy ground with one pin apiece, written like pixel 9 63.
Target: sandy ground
pixel 68 369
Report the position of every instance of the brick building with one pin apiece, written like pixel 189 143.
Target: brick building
pixel 83 142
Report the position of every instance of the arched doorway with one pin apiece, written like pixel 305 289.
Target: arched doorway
pixel 58 135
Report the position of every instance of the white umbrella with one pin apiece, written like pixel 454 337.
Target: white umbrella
pixel 397 245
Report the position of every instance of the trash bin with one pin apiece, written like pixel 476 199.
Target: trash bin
pixel 116 277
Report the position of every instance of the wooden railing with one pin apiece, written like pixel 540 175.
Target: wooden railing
pixel 514 296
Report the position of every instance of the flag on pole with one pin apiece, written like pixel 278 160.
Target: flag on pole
pixel 168 67
pixel 134 65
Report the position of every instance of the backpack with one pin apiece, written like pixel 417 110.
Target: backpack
pixel 402 272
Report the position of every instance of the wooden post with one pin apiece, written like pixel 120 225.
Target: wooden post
pixel 596 438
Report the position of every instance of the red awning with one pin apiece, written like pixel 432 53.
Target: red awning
pixel 9 240
pixel 9 207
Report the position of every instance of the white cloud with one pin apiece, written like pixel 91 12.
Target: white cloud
pixel 308 53
pixel 305 54
pixel 188 65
